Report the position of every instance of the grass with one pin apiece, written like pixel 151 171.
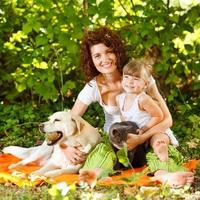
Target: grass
pixel 13 192
pixel 125 192
pixel 101 193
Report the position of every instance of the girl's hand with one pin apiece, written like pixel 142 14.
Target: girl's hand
pixel 133 141
pixel 74 154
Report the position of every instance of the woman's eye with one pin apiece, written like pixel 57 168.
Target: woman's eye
pixel 57 120
pixel 109 52
pixel 97 56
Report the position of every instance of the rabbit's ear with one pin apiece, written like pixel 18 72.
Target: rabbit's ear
pixel 116 133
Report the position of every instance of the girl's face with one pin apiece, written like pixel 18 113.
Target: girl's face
pixel 133 84
pixel 103 58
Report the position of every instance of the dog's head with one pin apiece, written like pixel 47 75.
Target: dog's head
pixel 118 133
pixel 60 126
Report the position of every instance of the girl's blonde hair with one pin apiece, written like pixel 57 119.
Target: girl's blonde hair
pixel 138 68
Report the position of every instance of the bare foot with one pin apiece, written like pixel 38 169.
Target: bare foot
pixel 161 150
pixel 89 176
pixel 174 179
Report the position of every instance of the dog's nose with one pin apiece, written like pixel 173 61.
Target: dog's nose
pixel 41 127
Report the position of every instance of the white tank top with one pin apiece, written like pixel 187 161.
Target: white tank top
pixel 140 117
pixel 134 114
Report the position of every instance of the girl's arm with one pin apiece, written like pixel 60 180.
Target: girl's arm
pixel 161 127
pixel 167 119
pixel 146 103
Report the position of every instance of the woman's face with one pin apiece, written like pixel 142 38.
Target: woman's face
pixel 103 58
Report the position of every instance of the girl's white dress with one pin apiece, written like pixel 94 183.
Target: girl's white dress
pixel 140 117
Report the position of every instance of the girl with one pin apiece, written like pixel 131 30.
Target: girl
pixel 137 106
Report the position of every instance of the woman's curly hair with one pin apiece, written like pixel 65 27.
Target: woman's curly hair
pixel 111 40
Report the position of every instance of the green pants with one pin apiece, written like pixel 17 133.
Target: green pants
pixel 104 157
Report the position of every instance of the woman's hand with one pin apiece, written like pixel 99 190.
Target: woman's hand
pixel 140 131
pixel 133 141
pixel 74 154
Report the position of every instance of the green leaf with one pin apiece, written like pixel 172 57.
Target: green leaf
pixel 43 65
pixel 188 28
pixel 122 156
pixel 36 26
pixel 72 47
pixel 136 176
pixel 20 87
pixel 68 85
pixel 63 39
pixel 104 173
pixel 27 28
pixel 188 47
pixel 196 86
pixel 41 40
pixel 47 91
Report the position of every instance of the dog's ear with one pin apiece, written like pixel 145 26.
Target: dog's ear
pixel 79 123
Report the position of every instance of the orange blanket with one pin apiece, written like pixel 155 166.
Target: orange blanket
pixel 22 178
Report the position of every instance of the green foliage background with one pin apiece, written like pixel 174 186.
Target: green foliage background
pixel 39 59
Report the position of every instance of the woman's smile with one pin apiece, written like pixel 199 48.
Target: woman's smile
pixel 103 58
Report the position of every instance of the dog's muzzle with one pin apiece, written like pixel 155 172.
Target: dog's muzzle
pixel 51 137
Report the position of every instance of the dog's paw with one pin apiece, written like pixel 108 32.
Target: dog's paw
pixel 51 174
pixel 33 177
pixel 12 166
pixel 37 173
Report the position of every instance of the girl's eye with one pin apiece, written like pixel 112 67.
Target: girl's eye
pixel 73 120
pixel 57 120
pixel 137 79
pixel 127 76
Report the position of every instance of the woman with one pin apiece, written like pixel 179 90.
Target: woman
pixel 102 57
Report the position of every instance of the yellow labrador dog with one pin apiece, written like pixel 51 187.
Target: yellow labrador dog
pixel 62 129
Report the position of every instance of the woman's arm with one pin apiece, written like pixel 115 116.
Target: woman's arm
pixel 73 153
pixel 79 108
